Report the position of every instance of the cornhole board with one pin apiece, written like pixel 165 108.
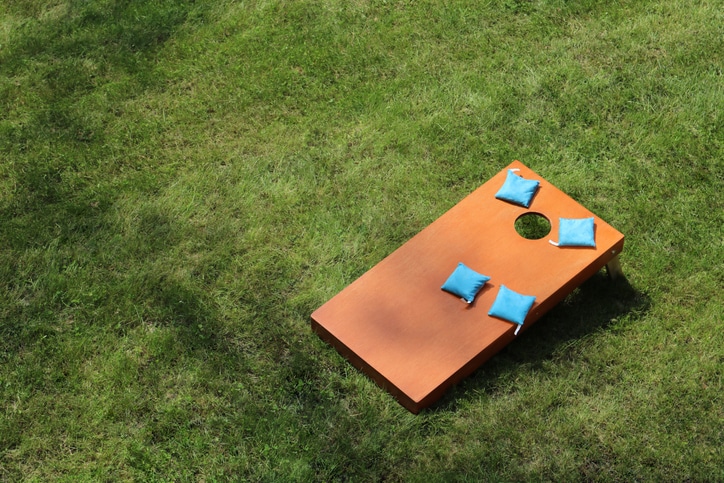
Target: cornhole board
pixel 415 340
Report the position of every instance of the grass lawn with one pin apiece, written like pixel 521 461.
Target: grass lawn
pixel 182 183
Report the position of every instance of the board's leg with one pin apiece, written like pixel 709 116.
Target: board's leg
pixel 613 267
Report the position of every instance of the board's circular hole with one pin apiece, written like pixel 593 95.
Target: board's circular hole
pixel 532 226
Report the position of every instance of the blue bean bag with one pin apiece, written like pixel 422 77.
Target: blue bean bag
pixel 511 306
pixel 517 189
pixel 465 282
pixel 575 232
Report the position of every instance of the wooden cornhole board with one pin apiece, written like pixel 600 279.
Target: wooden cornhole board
pixel 415 340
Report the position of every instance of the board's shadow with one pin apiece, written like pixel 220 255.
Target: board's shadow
pixel 594 306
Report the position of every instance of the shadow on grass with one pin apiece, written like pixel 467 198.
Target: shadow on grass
pixel 119 32
pixel 73 66
pixel 52 135
pixel 599 304
pixel 62 55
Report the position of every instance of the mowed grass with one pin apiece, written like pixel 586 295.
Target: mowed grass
pixel 182 183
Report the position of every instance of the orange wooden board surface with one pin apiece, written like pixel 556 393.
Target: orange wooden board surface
pixel 415 340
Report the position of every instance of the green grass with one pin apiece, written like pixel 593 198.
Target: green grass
pixel 182 183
